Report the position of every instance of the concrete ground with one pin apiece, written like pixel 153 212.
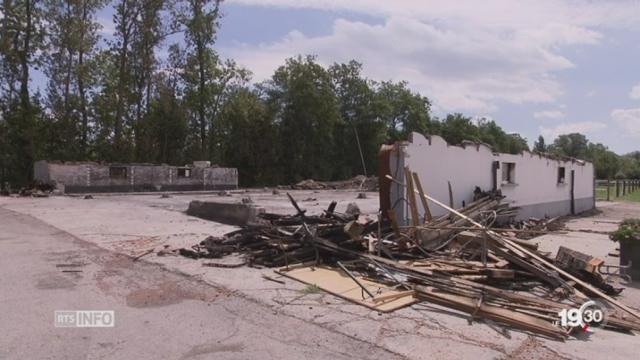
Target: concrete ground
pixel 249 310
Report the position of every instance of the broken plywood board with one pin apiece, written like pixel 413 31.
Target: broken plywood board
pixel 338 283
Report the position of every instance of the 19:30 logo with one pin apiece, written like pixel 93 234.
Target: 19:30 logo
pixel 590 315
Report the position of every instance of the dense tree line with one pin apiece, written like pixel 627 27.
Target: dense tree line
pixel 117 100
pixel 608 165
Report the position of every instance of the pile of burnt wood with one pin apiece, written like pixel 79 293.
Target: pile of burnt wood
pixel 456 260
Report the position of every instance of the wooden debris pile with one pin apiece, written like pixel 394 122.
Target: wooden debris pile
pixel 357 182
pixel 456 260
pixel 281 240
pixel 532 227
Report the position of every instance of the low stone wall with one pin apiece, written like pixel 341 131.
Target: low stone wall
pixel 225 213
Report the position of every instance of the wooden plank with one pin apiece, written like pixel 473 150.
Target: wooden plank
pixel 472 306
pixel 411 198
pixel 510 244
pixel 385 298
pixel 340 284
pixel 394 222
pixel 425 204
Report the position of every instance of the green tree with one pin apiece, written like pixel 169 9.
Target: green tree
pixel 573 145
pixel 22 41
pixel 164 127
pixel 402 110
pixel 306 110
pixel 456 128
pixel 359 136
pixel 127 13
pixel 539 145
pixel 72 44
pixel 515 144
pixel 605 162
pixel 490 133
pixel 200 21
pixel 246 134
pixel 149 31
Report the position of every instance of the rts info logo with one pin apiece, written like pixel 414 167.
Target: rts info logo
pixel 84 318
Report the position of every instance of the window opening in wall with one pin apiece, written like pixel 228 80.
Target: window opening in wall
pixel 561 175
pixel 184 172
pixel 508 173
pixel 118 172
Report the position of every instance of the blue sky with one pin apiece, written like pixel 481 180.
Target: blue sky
pixel 536 67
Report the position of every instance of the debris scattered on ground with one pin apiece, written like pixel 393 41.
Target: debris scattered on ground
pixel 357 182
pixel 362 195
pixel 165 196
pixel 70 265
pixel 88 197
pixel 138 257
pixel 224 193
pixel 275 192
pixel 309 184
pixel 272 279
pixel 35 189
pixel 353 209
pixel 456 260
pixel 533 227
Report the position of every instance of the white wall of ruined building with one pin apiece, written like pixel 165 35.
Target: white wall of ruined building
pixel 535 180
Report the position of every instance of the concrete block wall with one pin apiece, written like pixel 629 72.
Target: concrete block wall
pixel 93 177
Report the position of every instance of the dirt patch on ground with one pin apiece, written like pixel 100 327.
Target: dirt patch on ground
pixel 533 348
pixel 169 293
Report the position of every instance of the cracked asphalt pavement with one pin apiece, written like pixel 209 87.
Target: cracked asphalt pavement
pixel 174 307
pixel 158 313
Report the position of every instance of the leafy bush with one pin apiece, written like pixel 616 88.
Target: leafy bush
pixel 629 230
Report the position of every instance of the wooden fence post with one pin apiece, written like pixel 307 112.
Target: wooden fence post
pixel 608 190
pixel 617 188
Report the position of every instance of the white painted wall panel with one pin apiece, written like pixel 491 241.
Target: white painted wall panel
pixel 437 162
pixel 536 177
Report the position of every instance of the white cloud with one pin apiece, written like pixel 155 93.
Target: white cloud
pixel 628 120
pixel 107 27
pixel 499 13
pixel 459 69
pixel 548 114
pixel 635 92
pixel 463 56
pixel 584 127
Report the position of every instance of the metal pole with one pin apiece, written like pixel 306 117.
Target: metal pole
pixel 354 279
pixel 364 167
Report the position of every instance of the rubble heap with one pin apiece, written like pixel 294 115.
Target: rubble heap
pixel 455 260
